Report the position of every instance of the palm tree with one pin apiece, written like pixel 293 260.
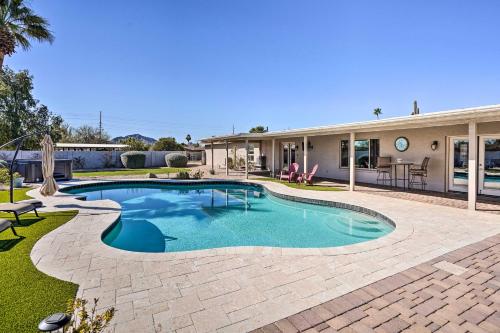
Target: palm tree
pixel 188 138
pixel 377 112
pixel 19 24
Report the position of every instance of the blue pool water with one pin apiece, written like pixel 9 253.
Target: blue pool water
pixel 169 218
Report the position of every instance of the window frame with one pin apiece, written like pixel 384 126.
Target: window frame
pixel 369 154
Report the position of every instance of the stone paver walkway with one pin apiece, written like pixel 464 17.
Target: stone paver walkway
pixel 456 292
pixel 238 289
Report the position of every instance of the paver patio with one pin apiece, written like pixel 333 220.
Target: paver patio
pixel 456 292
pixel 242 288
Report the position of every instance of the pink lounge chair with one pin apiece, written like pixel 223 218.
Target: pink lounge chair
pixel 308 177
pixel 291 173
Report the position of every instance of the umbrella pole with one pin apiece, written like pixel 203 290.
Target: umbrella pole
pixel 18 141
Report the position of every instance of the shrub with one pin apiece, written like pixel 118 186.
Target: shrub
pixel 107 161
pixel 230 163
pixel 133 160
pixel 87 320
pixel 78 163
pixel 5 177
pixel 183 175
pixel 198 174
pixel 176 160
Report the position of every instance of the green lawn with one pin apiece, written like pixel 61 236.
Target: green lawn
pixel 127 172
pixel 302 186
pixel 19 194
pixel 28 295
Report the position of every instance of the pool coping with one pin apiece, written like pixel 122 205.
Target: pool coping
pixel 397 235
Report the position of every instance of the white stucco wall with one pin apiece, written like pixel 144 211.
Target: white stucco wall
pixel 326 151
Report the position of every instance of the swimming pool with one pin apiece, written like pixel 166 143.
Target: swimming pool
pixel 171 218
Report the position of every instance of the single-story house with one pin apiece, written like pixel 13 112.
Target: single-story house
pixel 463 146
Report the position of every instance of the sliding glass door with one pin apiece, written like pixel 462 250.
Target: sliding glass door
pixel 489 165
pixel 289 156
pixel 488 173
pixel 459 159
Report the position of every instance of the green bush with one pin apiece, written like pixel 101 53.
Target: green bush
pixel 5 177
pixel 183 175
pixel 198 174
pixel 176 160
pixel 133 160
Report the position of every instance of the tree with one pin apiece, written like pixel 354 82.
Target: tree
pixel 167 144
pixel 258 129
pixel 188 138
pixel 377 112
pixel 21 113
pixel 134 144
pixel 18 25
pixel 89 134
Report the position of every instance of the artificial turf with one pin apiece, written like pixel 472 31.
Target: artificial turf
pixel 302 186
pixel 26 294
pixel 128 172
pixel 19 194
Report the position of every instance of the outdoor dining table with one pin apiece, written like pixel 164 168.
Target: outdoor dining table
pixel 406 172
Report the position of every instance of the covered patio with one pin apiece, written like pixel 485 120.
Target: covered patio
pixel 431 135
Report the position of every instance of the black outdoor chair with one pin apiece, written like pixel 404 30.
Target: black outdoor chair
pixel 384 170
pixel 418 176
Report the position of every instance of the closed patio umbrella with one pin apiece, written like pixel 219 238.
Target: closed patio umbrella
pixel 49 186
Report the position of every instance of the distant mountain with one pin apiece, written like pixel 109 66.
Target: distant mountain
pixel 143 138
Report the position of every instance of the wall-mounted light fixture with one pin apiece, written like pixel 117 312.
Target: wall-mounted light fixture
pixel 434 145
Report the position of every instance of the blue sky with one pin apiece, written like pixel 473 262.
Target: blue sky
pixel 168 68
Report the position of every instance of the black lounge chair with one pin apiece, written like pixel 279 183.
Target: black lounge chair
pixel 34 202
pixel 17 209
pixel 5 224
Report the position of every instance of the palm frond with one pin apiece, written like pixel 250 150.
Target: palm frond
pixel 23 23
pixel 23 41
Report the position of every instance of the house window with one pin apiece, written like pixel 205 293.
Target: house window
pixel 251 153
pixel 344 153
pixel 366 153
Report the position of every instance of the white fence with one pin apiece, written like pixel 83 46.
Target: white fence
pixel 92 159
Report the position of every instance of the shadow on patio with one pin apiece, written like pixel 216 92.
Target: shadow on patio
pixel 451 199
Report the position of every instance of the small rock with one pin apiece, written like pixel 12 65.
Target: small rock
pixel 151 175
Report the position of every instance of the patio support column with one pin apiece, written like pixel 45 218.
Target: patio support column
pixel 227 158
pixel 472 166
pixel 272 158
pixel 306 142
pixel 352 167
pixel 246 158
pixel 212 150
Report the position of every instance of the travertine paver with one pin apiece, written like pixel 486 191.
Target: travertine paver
pixel 450 267
pixel 425 298
pixel 242 288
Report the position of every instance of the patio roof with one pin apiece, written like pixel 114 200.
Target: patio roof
pixel 442 118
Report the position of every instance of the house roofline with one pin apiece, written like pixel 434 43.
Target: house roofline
pixel 432 119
